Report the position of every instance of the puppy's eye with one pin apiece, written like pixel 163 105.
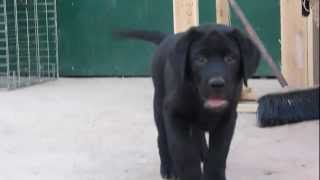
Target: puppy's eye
pixel 229 59
pixel 202 60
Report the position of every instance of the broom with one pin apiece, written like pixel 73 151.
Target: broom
pixel 283 107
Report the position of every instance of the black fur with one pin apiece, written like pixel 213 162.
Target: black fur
pixel 198 77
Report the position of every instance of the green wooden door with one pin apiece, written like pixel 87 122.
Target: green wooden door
pixel 87 49
pixel 86 46
pixel 265 18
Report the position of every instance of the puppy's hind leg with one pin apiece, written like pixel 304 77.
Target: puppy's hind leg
pixel 166 168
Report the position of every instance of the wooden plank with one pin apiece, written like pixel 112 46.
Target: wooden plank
pixel 185 14
pixel 294 42
pixel 247 107
pixel 313 44
pixel 223 12
pixel 223 17
pixel 248 94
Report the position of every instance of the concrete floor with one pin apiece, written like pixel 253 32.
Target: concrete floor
pixel 102 129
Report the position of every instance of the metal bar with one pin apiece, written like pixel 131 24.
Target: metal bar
pixel 17 39
pixel 56 39
pixel 32 19
pixel 24 49
pixel 40 3
pixel 21 57
pixel 7 43
pixel 21 36
pixel 23 64
pixel 3 56
pixel 19 12
pixel 37 39
pixel 28 45
pixel 48 46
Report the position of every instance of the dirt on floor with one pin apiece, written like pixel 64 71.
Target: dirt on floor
pixel 102 129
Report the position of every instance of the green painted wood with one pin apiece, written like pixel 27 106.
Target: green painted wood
pixel 207 11
pixel 265 18
pixel 86 47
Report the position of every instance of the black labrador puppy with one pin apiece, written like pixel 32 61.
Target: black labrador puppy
pixel 198 77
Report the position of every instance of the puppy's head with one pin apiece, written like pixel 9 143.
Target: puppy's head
pixel 217 59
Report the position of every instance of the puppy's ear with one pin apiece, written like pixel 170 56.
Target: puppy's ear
pixel 250 54
pixel 180 54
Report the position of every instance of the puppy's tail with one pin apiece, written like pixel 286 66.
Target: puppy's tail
pixel 150 36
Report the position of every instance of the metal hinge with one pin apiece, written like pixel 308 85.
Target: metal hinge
pixel 305 7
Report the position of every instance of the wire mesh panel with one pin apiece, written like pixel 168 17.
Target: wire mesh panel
pixel 28 42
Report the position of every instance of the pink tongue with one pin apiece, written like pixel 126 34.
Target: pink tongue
pixel 215 103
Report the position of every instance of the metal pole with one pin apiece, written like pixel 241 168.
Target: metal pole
pixel 48 45
pixel 28 41
pixel 56 38
pixel 7 42
pixel 17 40
pixel 37 40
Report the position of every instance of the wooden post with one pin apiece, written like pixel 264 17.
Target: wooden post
pixel 223 17
pixel 313 44
pixel 223 12
pixel 299 44
pixel 185 14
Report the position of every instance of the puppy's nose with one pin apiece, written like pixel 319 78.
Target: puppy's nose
pixel 216 82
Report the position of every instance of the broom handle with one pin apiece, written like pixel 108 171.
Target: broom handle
pixel 255 38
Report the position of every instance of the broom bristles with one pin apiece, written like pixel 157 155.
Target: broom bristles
pixel 286 108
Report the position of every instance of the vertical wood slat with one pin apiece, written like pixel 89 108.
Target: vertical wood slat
pixel 186 14
pixel 294 42
pixel 223 17
pixel 223 12
pixel 313 44
pixel 300 44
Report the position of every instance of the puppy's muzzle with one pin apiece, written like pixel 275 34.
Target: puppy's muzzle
pixel 215 101
pixel 216 82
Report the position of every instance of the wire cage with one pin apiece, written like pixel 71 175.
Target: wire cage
pixel 28 42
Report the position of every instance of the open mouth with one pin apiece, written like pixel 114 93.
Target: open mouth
pixel 215 103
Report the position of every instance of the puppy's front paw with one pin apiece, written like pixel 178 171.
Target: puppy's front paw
pixel 167 172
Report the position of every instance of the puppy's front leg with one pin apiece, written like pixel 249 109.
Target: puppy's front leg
pixel 182 148
pixel 220 141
